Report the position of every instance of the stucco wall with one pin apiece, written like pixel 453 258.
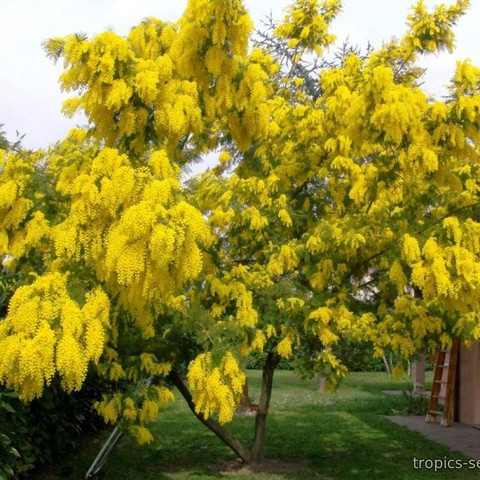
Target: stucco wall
pixel 469 385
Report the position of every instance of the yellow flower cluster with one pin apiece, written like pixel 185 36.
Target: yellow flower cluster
pixel 452 269
pixel 306 25
pixel 221 218
pixel 142 434
pixel 135 411
pixel 251 119
pixel 327 322
pixel 284 347
pixel 46 332
pixel 110 409
pixel 410 249
pixel 290 304
pixel 398 114
pixel 121 79
pixel 151 38
pixel 397 276
pixel 152 366
pixel 230 289
pixel 283 261
pixel 285 218
pixel 431 32
pixel 220 28
pixel 255 219
pixel 16 204
pixel 246 314
pixel 164 82
pixel 216 389
pixel 258 342
pixel 156 236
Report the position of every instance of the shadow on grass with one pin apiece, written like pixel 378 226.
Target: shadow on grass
pixel 341 436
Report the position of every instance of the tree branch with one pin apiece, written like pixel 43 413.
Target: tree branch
pixel 210 423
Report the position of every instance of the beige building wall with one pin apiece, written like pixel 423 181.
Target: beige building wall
pixel 418 374
pixel 469 385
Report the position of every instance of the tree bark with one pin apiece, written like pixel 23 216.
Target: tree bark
pixel 263 405
pixel 245 400
pixel 210 423
pixel 322 380
pixel 246 408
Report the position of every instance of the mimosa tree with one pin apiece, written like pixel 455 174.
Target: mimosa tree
pixel 343 205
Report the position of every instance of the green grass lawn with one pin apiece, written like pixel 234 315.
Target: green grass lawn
pixel 310 435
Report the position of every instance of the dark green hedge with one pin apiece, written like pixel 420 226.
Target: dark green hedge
pixel 40 432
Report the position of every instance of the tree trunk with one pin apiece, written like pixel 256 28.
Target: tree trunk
pixel 261 418
pixel 216 428
pixel 245 400
pixel 246 408
pixel 322 380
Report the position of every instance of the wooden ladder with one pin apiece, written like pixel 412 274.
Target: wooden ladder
pixel 445 375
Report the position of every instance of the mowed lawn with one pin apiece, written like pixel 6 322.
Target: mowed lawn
pixel 310 435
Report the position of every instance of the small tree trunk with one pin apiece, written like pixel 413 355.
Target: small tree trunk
pixel 246 408
pixel 321 383
pixel 261 418
pixel 245 400
pixel 210 423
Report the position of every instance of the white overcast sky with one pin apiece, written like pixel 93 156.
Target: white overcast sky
pixel 30 98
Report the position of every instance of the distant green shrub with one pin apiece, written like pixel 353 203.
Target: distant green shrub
pixel 358 356
pixel 257 360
